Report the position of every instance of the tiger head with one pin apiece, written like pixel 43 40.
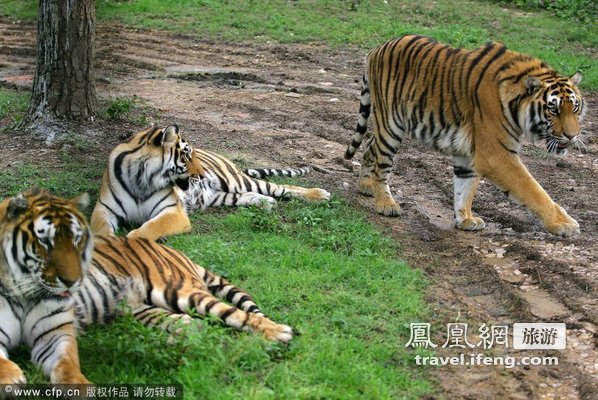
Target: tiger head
pixel 171 160
pixel 555 111
pixel 46 245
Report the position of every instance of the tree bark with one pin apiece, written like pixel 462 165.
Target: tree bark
pixel 64 83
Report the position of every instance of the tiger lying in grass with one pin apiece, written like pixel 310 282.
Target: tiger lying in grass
pixel 53 278
pixel 156 178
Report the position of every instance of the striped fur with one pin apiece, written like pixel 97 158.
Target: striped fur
pixel 46 250
pixel 473 105
pixel 53 278
pixel 226 184
pixel 139 185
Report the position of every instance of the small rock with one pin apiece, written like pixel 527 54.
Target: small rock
pixel 563 164
pixel 293 94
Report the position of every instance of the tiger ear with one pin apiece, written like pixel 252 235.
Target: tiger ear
pixel 17 206
pixel 576 78
pixel 532 84
pixel 81 201
pixel 170 135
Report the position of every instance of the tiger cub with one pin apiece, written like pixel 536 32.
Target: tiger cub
pixel 473 105
pixel 53 278
pixel 138 186
pixel 226 184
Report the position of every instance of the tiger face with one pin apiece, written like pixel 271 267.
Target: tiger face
pixel 178 163
pixel 47 245
pixel 556 111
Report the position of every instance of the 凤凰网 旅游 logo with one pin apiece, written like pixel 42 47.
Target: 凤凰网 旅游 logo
pixel 525 336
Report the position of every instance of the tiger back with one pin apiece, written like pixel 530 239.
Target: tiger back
pixel 139 186
pixel 224 183
pixel 475 106
pixel 54 277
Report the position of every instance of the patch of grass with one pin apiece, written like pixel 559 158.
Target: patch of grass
pixel 19 9
pixel 566 45
pixel 580 10
pixel 13 107
pixel 124 108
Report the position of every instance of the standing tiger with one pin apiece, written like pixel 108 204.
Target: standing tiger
pixel 224 183
pixel 138 186
pixel 54 277
pixel 473 105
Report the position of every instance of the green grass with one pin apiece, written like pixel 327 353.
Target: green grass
pixel 124 108
pixel 319 268
pixel 565 44
pixel 13 106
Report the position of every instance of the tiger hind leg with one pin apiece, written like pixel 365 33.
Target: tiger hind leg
pixel 282 191
pixel 244 309
pixel 366 183
pixel 465 183
pixel 168 321
pixel 204 303
pixel 242 199
pixel 383 151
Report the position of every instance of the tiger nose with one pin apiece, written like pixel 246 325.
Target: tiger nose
pixel 67 282
pixel 570 136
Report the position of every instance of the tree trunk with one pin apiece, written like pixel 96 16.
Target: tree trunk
pixel 64 83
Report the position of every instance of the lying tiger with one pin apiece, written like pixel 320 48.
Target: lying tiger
pixel 138 186
pixel 52 279
pixel 156 178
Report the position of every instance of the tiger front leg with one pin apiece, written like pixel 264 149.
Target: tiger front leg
pixel 10 372
pixel 10 336
pixel 57 353
pixel 103 222
pixel 465 183
pixel 511 176
pixel 170 222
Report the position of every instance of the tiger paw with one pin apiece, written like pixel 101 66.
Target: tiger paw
pixel 258 200
pixel 388 207
pixel 11 373
pixel 317 195
pixel 279 333
pixel 471 224
pixel 70 378
pixel 135 233
pixel 566 227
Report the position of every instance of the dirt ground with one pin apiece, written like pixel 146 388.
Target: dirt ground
pixel 290 105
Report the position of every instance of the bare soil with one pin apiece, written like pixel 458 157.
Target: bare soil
pixel 290 105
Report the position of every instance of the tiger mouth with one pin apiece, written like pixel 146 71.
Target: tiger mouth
pixel 556 146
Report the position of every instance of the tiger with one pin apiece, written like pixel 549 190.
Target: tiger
pixel 225 184
pixel 473 105
pixel 56 277
pixel 139 186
